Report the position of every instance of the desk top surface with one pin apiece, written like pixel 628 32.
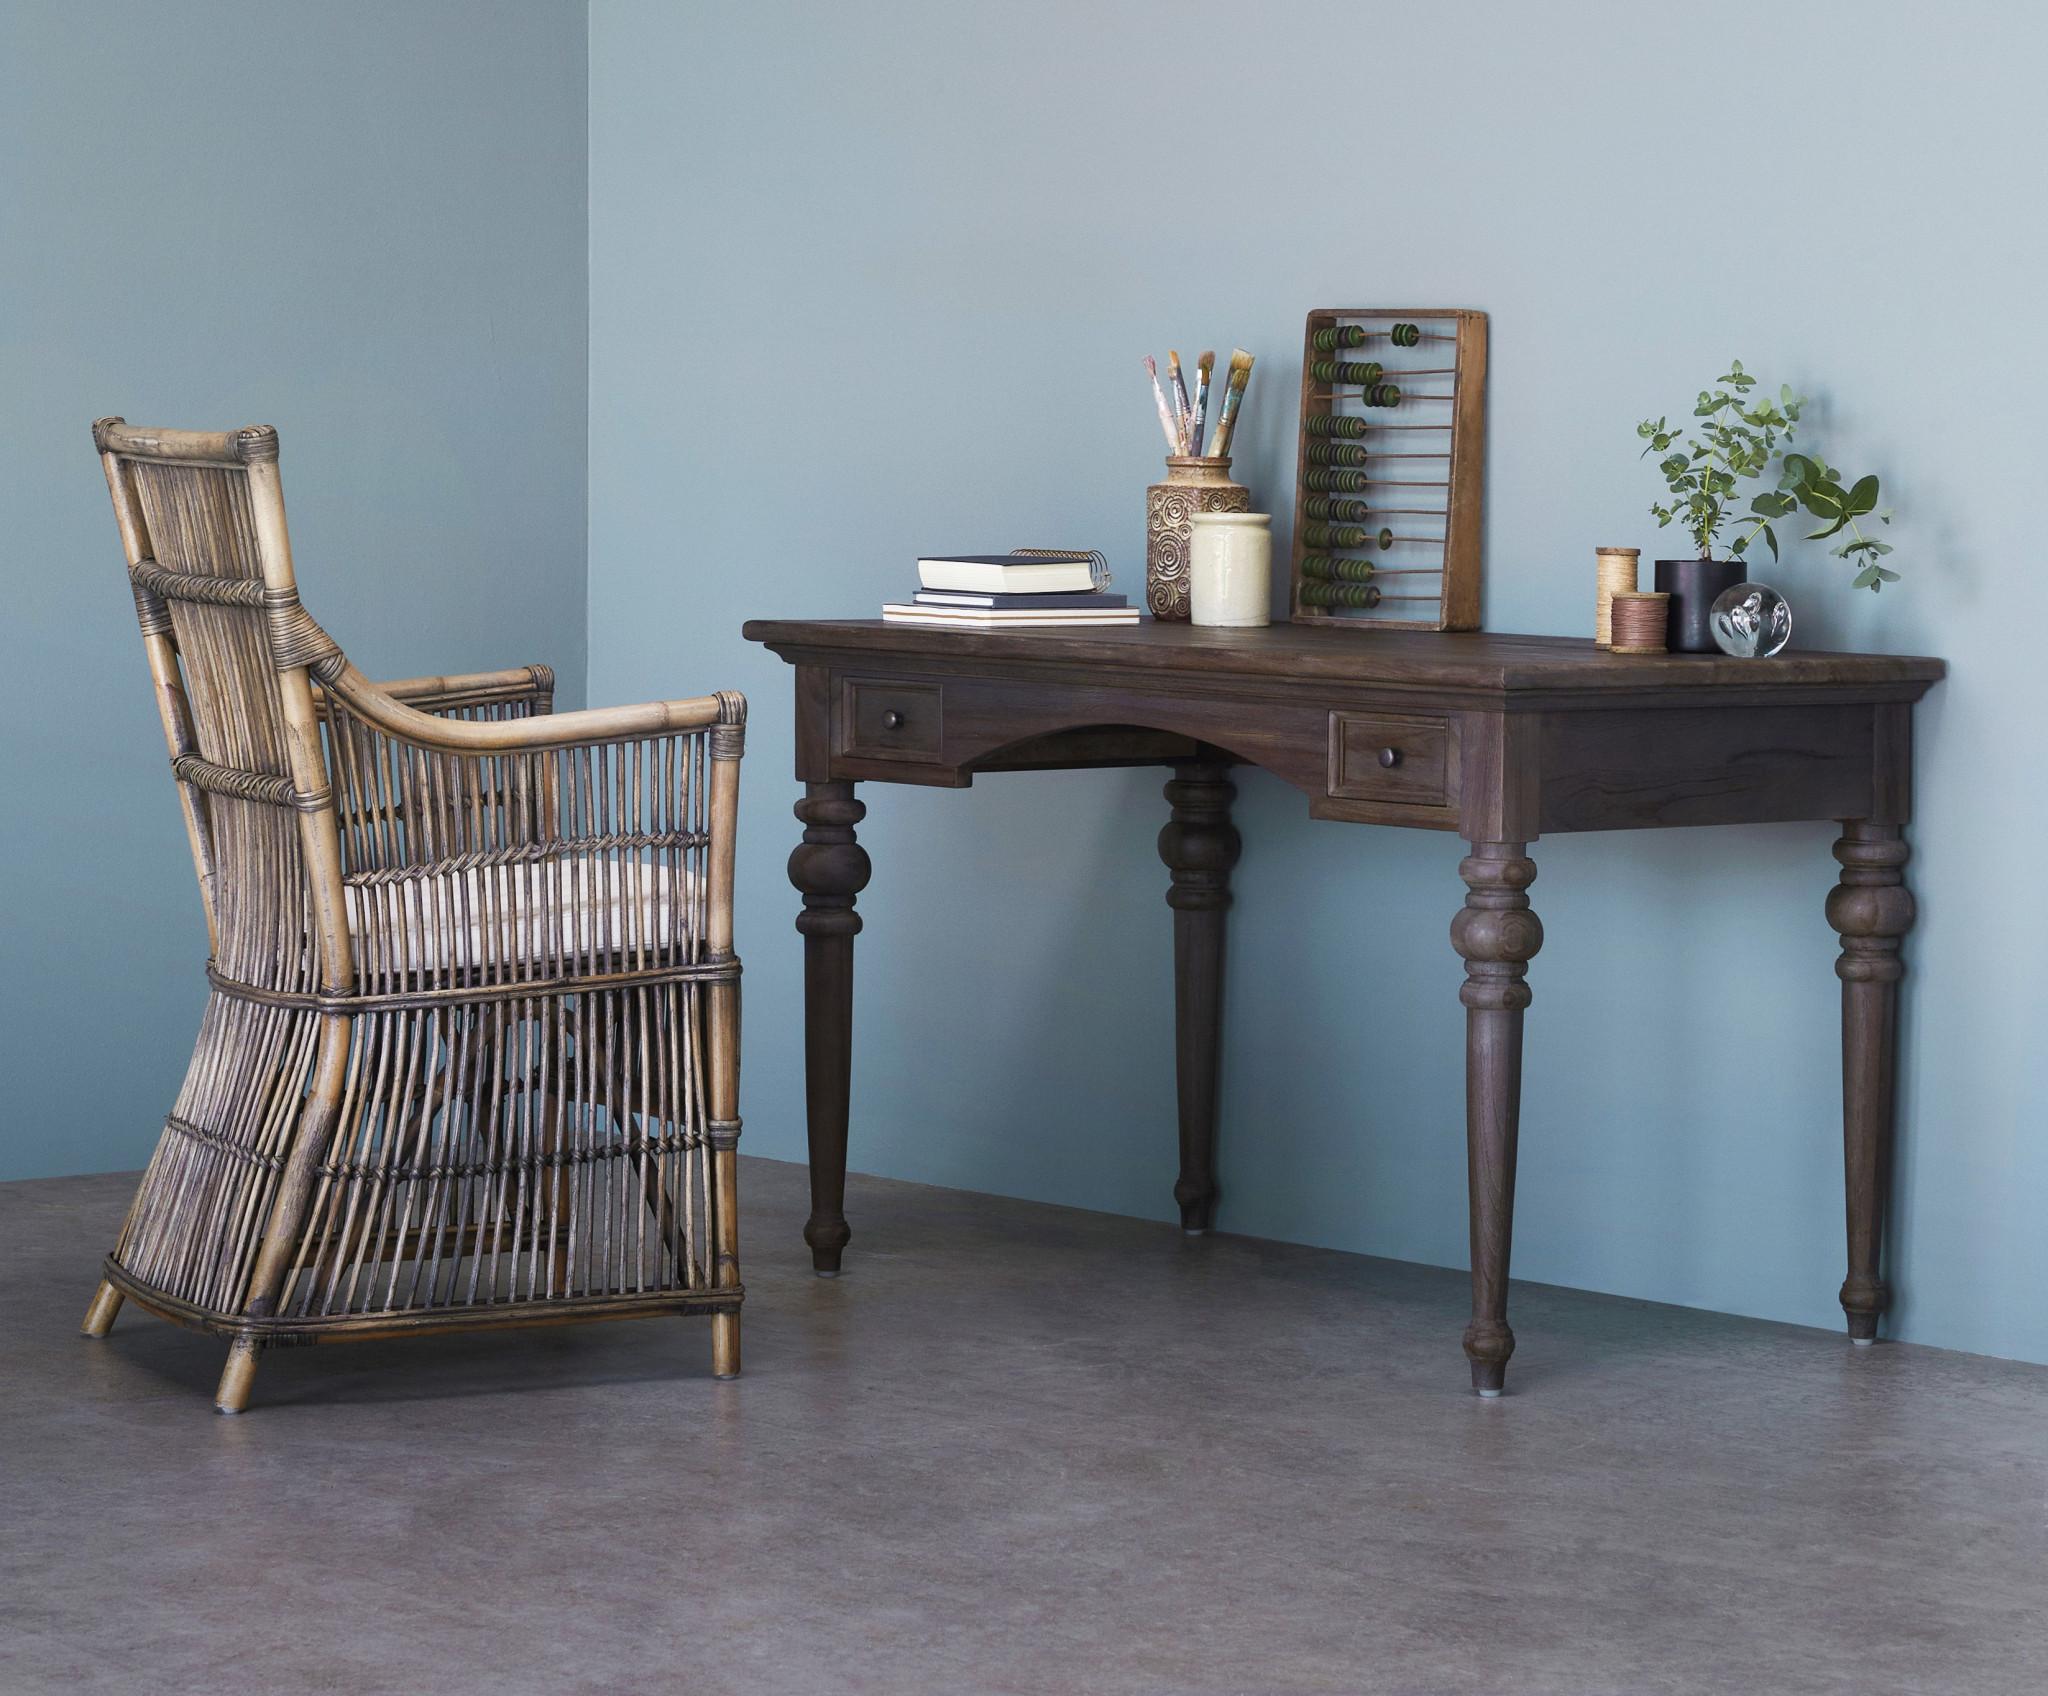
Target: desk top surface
pixel 1480 660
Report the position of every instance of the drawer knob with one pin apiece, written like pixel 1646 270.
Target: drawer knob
pixel 892 720
pixel 1390 757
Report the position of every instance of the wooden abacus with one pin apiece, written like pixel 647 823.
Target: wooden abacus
pixel 1381 433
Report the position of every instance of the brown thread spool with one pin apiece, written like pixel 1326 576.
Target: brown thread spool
pixel 1615 573
pixel 1639 620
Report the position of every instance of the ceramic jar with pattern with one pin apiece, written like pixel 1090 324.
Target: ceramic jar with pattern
pixel 1194 483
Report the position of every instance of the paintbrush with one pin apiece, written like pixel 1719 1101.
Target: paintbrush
pixel 1183 413
pixel 1203 366
pixel 1233 397
pixel 1165 412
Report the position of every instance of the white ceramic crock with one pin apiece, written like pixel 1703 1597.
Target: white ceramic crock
pixel 1230 568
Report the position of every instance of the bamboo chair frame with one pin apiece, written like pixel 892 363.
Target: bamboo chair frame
pixel 471 1056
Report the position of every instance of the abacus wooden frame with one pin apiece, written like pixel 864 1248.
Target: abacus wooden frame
pixel 343 831
pixel 1463 563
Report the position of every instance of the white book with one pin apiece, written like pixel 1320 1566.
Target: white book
pixel 897 612
pixel 1008 574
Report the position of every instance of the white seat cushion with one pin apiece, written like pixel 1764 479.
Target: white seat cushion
pixel 565 911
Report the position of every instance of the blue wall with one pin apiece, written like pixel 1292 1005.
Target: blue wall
pixel 363 223
pixel 867 281
pixel 957 228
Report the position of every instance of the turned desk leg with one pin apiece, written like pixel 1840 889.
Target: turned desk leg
pixel 830 868
pixel 1497 935
pixel 1872 910
pixel 1199 846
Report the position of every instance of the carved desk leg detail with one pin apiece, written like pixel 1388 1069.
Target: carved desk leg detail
pixel 1199 846
pixel 830 868
pixel 1497 935
pixel 1872 910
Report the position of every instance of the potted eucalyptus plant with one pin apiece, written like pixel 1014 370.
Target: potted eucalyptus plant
pixel 1734 440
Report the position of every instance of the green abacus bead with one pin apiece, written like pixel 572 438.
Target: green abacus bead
pixel 1341 335
pixel 1340 595
pixel 1346 536
pixel 1334 424
pixel 1343 482
pixel 1383 394
pixel 1329 567
pixel 1334 371
pixel 1321 506
pixel 1406 335
pixel 1336 453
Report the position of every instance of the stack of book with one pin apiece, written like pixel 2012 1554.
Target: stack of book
pixel 1027 587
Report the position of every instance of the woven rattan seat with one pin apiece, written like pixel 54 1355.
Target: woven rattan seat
pixel 471 1053
pixel 542 913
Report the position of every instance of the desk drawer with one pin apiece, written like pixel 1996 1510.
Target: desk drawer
pixel 881 719
pixel 1393 758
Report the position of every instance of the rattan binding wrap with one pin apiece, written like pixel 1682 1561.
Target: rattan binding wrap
pixel 471 1052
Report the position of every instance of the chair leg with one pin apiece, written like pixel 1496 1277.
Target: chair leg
pixel 725 1345
pixel 99 1318
pixel 240 1373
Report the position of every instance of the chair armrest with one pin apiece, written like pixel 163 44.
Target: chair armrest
pixel 528 686
pixel 376 704
pixel 420 795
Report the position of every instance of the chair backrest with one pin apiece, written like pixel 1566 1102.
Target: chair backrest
pixel 201 517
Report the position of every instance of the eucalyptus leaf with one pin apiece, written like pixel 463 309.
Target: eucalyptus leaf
pixel 1739 438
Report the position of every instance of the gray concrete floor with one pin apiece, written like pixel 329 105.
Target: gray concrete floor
pixel 1014 1449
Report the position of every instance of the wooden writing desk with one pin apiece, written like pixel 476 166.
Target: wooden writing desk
pixel 1497 738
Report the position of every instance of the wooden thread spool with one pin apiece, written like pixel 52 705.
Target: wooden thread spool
pixel 1639 621
pixel 1615 574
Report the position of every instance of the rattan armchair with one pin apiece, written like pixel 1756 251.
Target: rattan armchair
pixel 471 1054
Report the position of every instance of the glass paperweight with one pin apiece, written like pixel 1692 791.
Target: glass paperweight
pixel 1752 621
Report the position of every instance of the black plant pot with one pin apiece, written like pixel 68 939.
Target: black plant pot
pixel 1694 585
